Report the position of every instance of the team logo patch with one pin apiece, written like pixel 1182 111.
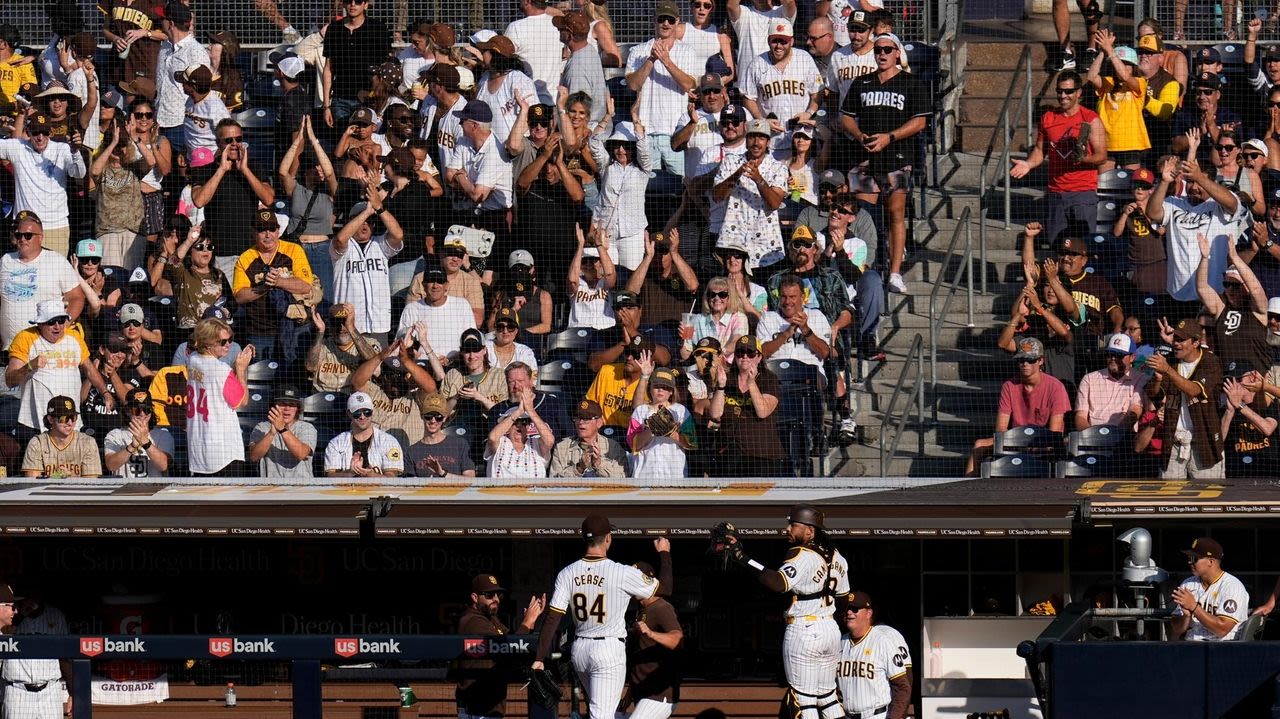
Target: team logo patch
pixel 393 454
pixel 1229 605
pixel 790 571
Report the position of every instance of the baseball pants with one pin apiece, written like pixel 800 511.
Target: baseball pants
pixel 601 665
pixel 649 709
pixel 810 652
pixel 44 704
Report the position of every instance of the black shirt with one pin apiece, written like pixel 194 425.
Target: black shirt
pixel 881 107
pixel 1240 337
pixel 229 213
pixel 351 53
pixel 294 105
pixel 416 211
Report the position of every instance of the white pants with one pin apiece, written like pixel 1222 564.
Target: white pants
pixel 649 709
pixel 601 665
pixel 810 653
pixel 630 250
pixel 1184 465
pixel 45 704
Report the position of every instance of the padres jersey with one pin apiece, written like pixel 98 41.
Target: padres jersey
pixel 846 67
pixel 213 429
pixel 59 376
pixel 77 458
pixel 503 101
pixel 867 665
pixel 361 277
pixel 595 593
pixel 814 583
pixel 782 91
pixel 384 453
pixel 1226 597
pixel 448 127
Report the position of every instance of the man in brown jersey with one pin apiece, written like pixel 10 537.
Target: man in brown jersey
pixel 656 641
pixel 482 683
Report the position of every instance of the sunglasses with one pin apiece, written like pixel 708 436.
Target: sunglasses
pixel 885 49
pixel 734 256
pixel 433 417
pixel 1067 90
pixel 748 353
pixel 631 354
pixel 524 421
pixel 24 236
pixel 132 323
pixel 702 6
pixel 1274 104
pixel 1205 90
pixel 38 133
pixel 139 410
pixel 705 356
pixel 717 295
pixel 709 92
pixel 1252 155
pixel 667 20
pixel 354 2
pixel 455 252
pixel 491 595
pixel 1225 148
pixel 1064 255
pixel 779 41
pixel 731 123
pixel 1142 186
pixel 505 327
pixel 1232 285
pixel 58 321
pixel 64 418
pixel 231 139
pixel 203 246
pixel 144 115
pixel 362 413
pixel 90 260
pixel 801 245
pixel 1024 360
pixel 844 210
pixel 224 343
pixel 540 123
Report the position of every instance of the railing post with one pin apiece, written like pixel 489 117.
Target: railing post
pixel 933 341
pixel 1004 171
pixel 982 225
pixel 920 404
pixel 308 701
pixel 81 689
pixel 1030 109
pixel 968 253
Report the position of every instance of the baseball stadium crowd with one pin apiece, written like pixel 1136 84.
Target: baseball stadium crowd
pixel 470 255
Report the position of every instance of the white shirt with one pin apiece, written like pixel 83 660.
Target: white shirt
pixel 34 671
pixel 703 153
pixel 773 324
pixel 662 102
pixel 40 179
pixel 487 166
pixel 214 439
pixel 620 210
pixel 663 458
pixel 445 324
pixel 411 66
pixel 139 465
pixel 508 462
pixel 384 453
pixel 715 221
pixel 78 82
pixel 538 46
pixel 201 119
pixel 503 101
pixel 701 44
pixel 449 129
pixel 362 277
pixel 867 665
pixel 1226 597
pixel 1184 222
pixel 746 218
pixel 806 572
pixel 752 27
pixel 524 353
pixel 782 91
pixel 59 377
pixel 847 66
pixel 590 306
pixel 23 285
pixel 170 99
pixel 596 591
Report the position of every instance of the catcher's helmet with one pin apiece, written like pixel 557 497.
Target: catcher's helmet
pixel 806 514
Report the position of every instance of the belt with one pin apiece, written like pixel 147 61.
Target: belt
pixel 805 618
pixel 31 686
pixel 601 639
pixel 868 714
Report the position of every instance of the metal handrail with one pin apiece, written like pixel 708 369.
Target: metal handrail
pixel 936 316
pixel 897 423
pixel 1007 129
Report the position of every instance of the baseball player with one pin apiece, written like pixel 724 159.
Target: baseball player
pixel 818 576
pixel 655 671
pixel 874 673
pixel 1212 604
pixel 482 685
pixel 596 591
pixel 33 688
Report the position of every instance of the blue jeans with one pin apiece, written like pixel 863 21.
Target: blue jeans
pixel 321 265
pixel 870 302
pixel 663 157
pixel 342 108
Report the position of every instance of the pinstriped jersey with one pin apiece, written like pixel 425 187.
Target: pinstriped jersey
pixel 807 573
pixel 595 593
pixel 867 665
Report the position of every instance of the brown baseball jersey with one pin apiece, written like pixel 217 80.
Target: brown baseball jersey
pixel 482 685
pixel 121 16
pixel 333 371
pixel 655 670
pixel 78 457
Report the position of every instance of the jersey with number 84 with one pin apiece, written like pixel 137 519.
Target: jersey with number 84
pixel 807 573
pixel 595 593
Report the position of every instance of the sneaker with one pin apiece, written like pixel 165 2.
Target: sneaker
pixel 848 431
pixel 1068 61
pixel 896 284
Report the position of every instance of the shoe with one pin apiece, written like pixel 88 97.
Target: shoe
pixel 874 355
pixel 896 284
pixel 1067 62
pixel 848 431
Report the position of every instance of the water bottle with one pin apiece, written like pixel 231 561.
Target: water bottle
pixel 935 661
pixel 231 694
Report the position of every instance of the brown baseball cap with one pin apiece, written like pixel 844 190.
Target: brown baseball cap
pixel 486 583
pixel 1188 329
pixel 362 116
pixel 435 403
pixel 61 405
pixel 500 44
pixel 82 44
pixel 140 87
pixel 663 378
pixel 38 124
pixel 226 39
pixel 1204 547
pixel 588 409
pixel 444 74
pixel 6 594
pixel 596 526
pixel 858 600
pixel 575 23
pixel 402 160
pixel 265 219
pixel 197 75
pixel 442 35
pixel 667 7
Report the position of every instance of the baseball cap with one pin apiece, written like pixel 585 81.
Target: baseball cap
pixel 60 405
pixel 27 216
pixel 1207 79
pixel 115 342
pixel 506 314
pixel 435 403
pixel 663 378
pixel 760 127
pixel 466 78
pixel 6 594
pixel 802 233
pixel 1127 54
pixel 218 312
pixel 1204 547
pixel 1150 43
pixel 132 313
pixel 858 600
pixel 177 11
pixel 455 241
pixel 113 98
pixel 49 310
pixel 359 401
pixel 500 44
pixel 1188 329
pixel 287 395
pixel 781 27
pixel 199 157
pixel 1272 54
pixel 541 113
pixel 1120 344
pixel 38 124
pixel 436 275
pixel 139 86
pixel 1231 273
pixel 1143 176
pixel 442 74
pixel 575 23
pixel 402 160
pixel 362 116
pixel 860 19
pixel 471 341
pixel 1273 306
pixel 1274 197
pixel 477 110
pixel 642 343
pixel 707 344
pixel 226 39
pixel 626 298
pixel 748 343
pixel 646 569
pixel 1072 245
pixel 265 219
pixel 482 583
pixel 442 34
pixel 291 66
pixel 831 178
pixel 1236 369
pixel 138 398
pixel 733 113
pixel 1209 54
pixel 803 129
pixel 667 7
pixel 1029 348
pixel 89 248
pixel 1258 145
pixel 481 36
pixel 596 525
pixel 197 74
pixel 588 409
pixel 710 81
pixel 520 257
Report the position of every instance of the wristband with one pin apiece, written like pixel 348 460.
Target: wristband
pixel 755 565
pixel 645 376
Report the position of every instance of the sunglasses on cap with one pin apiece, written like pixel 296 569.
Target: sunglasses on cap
pixel 89 260
pixel 362 413
pixel 433 417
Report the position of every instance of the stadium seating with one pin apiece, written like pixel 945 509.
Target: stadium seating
pixel 1016 466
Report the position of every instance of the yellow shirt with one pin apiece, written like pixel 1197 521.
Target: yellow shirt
pixel 169 394
pixel 614 393
pixel 1121 115
pixel 12 77
pixel 60 375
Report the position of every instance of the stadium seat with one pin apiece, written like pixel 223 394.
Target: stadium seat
pixel 1252 629
pixel 1081 466
pixel 324 435
pixel 116 272
pixel 1017 466
pixel 1099 440
pixel 1108 211
pixel 326 408
pixel 226 263
pixel 799 414
pixel 566 377
pixel 1117 183
pixel 575 342
pixel 1019 440
pixel 255 410
pixel 262 374
pixel 401 276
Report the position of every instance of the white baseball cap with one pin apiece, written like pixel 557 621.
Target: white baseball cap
pixel 1273 306
pixel 482 36
pixel 49 310
pixel 291 66
pixel 1259 145
pixel 358 401
pixel 520 257
pixel 1120 344
pixel 466 78
pixel 781 27
pixel 595 252
pixel 132 313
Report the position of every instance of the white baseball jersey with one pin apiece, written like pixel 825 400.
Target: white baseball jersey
pixel 1226 597
pixel 449 129
pixel 503 101
pixel 214 439
pixel 139 464
pixel 662 102
pixel 201 119
pixel 19 703
pixel 847 66
pixel 867 665
pixel 595 593
pixel 362 277
pixel 783 91
pixel 384 453
pixel 807 573
pixel 838 12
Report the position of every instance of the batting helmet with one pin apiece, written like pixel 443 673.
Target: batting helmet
pixel 806 514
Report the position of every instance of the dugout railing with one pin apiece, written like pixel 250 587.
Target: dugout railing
pixel 1002 138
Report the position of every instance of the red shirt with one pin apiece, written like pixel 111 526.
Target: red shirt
pixel 1048 398
pixel 1058 137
